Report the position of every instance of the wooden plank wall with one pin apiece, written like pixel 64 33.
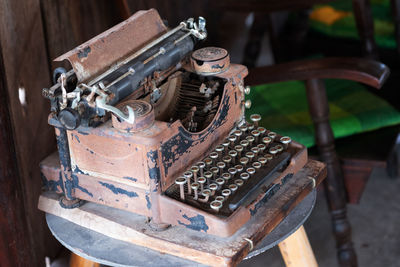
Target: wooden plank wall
pixel 32 32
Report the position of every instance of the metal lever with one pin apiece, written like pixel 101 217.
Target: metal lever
pixel 101 103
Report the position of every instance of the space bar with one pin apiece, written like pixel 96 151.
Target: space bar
pixel 258 179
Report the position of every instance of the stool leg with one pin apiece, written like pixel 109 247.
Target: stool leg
pixel 296 250
pixel 78 261
pixel 334 184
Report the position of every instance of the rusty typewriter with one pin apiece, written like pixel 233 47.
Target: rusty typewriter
pixel 148 122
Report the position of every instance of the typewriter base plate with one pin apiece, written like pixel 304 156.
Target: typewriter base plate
pixel 183 242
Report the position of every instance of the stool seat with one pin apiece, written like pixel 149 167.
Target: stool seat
pixel 353 109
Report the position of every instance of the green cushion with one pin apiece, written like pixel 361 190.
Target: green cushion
pixel 284 109
pixel 346 26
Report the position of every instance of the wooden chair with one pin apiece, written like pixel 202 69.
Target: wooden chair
pixel 313 72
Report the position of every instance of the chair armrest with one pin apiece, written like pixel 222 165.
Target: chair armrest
pixel 361 70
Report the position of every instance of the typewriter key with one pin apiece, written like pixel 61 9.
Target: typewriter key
pixel 250 139
pixel 251 170
pixel 232 140
pixel 244 143
pixel 273 150
pixel 226 193
pixel 232 171
pixel 214 155
pixel 208 162
pixel 285 140
pixel 256 165
pixel 206 193
pixel 262 130
pixel 213 187
pixel 255 118
pixel 255 150
pixel 195 169
pixel 226 176
pixel 201 181
pixel 266 140
pixel 250 155
pixel 216 205
pixel 239 150
pixel 262 160
pixel 239 182
pixel 227 160
pixel 220 181
pixel 233 154
pixel 233 187
pixel 243 161
pixel 214 171
pixel 244 176
pixel 272 135
pixel 238 134
pixel 250 126
pixel 243 129
pixel 268 157
pixel 261 147
pixel 221 165
pixel 220 199
pixel 255 134
pixel 239 167
pixel 219 149
pixel 188 175
pixel 225 144
pixel 201 165
pixel 195 187
pixel 181 181
pixel 279 148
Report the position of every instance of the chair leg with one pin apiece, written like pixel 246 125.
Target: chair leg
pixel 365 27
pixel 334 185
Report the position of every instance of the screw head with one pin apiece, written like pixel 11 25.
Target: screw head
pixel 247 90
pixel 247 104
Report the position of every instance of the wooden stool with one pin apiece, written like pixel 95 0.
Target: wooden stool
pixel 289 235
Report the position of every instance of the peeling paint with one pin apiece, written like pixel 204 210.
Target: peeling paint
pixel 117 190
pixel 197 223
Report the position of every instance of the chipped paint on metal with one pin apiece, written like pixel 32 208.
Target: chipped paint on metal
pixel 118 190
pixel 197 223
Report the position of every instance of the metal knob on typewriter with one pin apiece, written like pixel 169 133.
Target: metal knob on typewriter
pixel 201 181
pixel 210 60
pixel 143 112
pixel 188 175
pixel 255 118
pixel 195 187
pixel 195 169
pixel 181 181
pixel 285 140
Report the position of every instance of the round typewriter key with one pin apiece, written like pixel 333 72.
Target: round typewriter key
pixel 237 133
pixel 250 126
pixel 232 139
pixel 195 169
pixel 213 187
pixel 232 171
pixel 227 160
pixel 239 182
pixel 208 174
pixel 250 139
pixel 255 118
pixel 243 161
pixel 195 187
pixel 244 143
pixel 272 135
pixel 244 176
pixel 226 145
pixel 214 155
pixel 262 130
pixel 208 162
pixel 219 149
pixel 262 160
pixel 216 205
pixel 251 170
pixel 233 187
pixel 285 140
pixel 226 176
pixel 181 181
pixel 206 194
pixel 256 165
pixel 255 134
pixel 279 148
pixel 273 150
pixel 239 167
pixel 220 181
pixel 226 193
pixel 250 155
pixel 243 129
pixel 233 154
pixel 255 150
pixel 239 150
pixel 221 165
pixel 220 198
pixel 261 147
pixel 201 165
pixel 214 171
pixel 267 140
pixel 188 175
pixel 268 157
pixel 201 181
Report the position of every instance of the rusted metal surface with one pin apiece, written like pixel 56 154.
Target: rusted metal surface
pixel 144 116
pixel 98 54
pixel 210 60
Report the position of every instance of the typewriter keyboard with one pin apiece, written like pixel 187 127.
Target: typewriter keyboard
pixel 227 177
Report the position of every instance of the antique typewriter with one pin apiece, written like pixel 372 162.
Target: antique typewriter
pixel 146 122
